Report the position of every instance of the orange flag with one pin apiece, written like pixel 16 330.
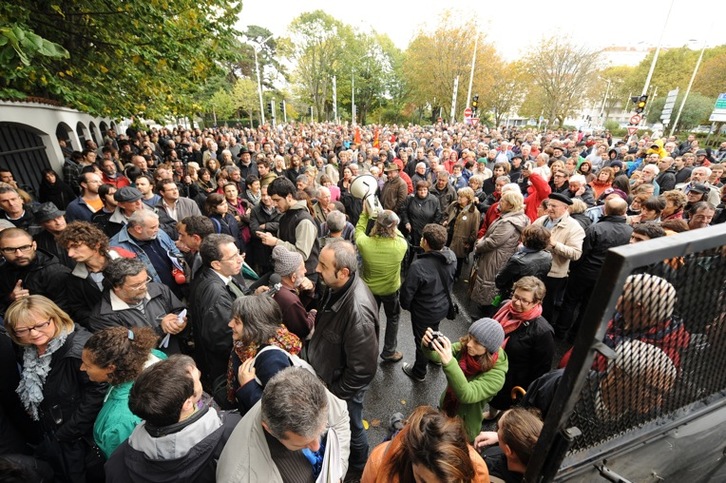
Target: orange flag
pixel 356 137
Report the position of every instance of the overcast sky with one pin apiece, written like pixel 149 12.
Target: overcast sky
pixel 513 26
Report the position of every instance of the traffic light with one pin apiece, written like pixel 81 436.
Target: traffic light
pixel 475 102
pixel 639 103
pixel 269 108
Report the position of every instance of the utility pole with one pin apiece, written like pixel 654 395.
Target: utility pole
pixel 453 100
pixel 471 74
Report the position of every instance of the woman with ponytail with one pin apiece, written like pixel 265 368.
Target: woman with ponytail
pixel 117 355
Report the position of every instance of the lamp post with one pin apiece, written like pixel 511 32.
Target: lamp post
pixel 259 81
pixel 688 90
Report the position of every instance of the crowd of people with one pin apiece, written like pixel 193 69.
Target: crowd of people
pixel 204 304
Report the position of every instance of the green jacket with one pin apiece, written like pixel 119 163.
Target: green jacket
pixel 474 393
pixel 115 421
pixel 382 258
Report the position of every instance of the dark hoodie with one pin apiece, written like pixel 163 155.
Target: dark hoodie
pixel 186 451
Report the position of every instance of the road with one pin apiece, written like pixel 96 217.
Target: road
pixel 392 391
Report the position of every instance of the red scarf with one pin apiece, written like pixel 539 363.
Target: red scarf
pixel 511 320
pixel 470 367
pixel 283 339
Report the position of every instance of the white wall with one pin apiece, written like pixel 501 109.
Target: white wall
pixel 44 119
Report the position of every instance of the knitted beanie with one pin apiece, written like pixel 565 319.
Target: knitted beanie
pixel 489 333
pixel 286 262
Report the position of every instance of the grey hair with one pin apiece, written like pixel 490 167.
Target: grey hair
pixel 115 273
pixel 294 401
pixel 578 178
pixel 139 217
pixel 210 249
pixel 345 255
pixel 336 221
pixel 261 316
pixel 510 186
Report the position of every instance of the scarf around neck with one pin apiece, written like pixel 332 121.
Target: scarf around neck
pixel 284 339
pixel 511 320
pixel 35 372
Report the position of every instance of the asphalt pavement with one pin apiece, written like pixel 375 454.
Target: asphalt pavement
pixel 392 391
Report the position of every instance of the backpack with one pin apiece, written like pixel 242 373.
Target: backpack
pixel 295 360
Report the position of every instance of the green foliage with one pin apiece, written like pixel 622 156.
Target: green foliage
pixel 151 57
pixel 695 112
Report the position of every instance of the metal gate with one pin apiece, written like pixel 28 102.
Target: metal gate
pixel 643 397
pixel 22 151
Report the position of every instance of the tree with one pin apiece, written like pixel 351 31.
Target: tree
pixel 151 58
pixel 245 97
pixel 434 59
pixel 561 71
pixel 511 83
pixel 695 112
pixel 709 79
pixel 316 45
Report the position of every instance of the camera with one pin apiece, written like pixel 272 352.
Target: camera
pixel 435 335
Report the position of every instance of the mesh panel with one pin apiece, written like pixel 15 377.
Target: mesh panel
pixel 669 335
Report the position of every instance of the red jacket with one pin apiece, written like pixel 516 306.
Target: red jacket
pixel 537 191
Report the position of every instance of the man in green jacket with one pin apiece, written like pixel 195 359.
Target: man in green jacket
pixel 382 253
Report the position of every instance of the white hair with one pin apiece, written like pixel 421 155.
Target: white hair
pixel 578 178
pixel 511 187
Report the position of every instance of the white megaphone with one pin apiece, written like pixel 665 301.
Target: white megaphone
pixel 364 187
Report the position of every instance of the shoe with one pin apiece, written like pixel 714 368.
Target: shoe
pixel 408 370
pixel 491 415
pixel 395 357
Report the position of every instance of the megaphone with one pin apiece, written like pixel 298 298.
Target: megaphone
pixel 364 187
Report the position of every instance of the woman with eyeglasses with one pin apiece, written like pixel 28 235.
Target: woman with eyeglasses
pixel 58 396
pixel 117 356
pixel 529 341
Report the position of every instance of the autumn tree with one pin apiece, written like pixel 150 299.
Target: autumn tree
pixel 511 84
pixel 435 58
pixel 561 71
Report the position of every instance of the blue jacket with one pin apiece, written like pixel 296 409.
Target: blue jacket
pixel 124 240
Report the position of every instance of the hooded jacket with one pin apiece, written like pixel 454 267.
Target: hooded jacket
pixel 189 454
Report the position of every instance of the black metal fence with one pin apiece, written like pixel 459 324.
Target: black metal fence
pixel 22 151
pixel 650 357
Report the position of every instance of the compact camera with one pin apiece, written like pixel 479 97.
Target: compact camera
pixel 435 335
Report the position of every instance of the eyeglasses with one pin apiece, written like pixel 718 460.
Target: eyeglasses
pixel 520 299
pixel 141 285
pixel 236 256
pixel 23 331
pixel 23 249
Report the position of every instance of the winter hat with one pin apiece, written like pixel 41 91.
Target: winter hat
pixel 286 262
pixel 489 333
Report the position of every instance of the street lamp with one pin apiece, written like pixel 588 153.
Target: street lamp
pixel 688 90
pixel 259 81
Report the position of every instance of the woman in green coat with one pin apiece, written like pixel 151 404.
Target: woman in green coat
pixel 117 355
pixel 475 368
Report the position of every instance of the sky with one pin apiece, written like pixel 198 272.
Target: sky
pixel 513 27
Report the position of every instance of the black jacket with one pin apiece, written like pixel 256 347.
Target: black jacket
pixel 210 308
pixel 423 292
pixel 522 264
pixel 43 276
pixel 667 180
pixel 70 405
pixel 344 347
pixel 608 232
pixel 162 301
pixel 199 464
pixel 420 212
pixel 530 350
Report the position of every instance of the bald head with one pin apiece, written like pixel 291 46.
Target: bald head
pixel 615 206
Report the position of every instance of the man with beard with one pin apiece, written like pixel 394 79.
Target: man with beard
pixel 29 271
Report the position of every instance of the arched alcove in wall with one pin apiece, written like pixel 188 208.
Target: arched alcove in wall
pixel 23 152
pixel 94 136
pixel 82 132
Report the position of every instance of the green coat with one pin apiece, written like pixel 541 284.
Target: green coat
pixel 474 393
pixel 115 421
pixel 381 257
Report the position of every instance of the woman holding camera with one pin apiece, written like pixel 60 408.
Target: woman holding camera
pixel 475 369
